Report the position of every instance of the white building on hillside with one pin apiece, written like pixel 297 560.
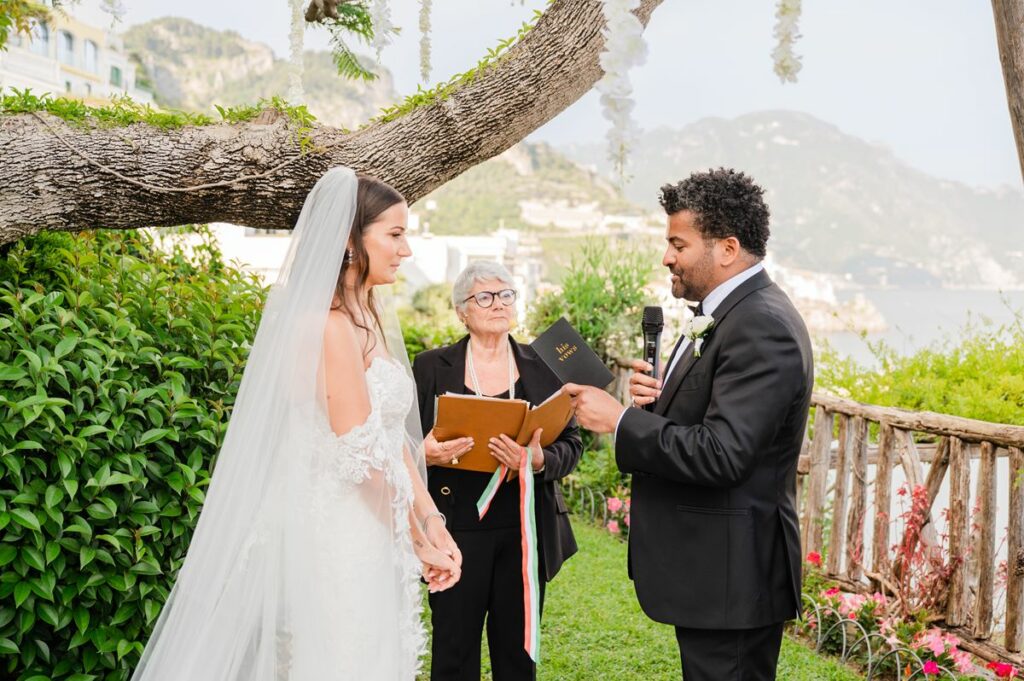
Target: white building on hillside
pixel 66 56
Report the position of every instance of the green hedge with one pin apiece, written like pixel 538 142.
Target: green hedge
pixel 119 363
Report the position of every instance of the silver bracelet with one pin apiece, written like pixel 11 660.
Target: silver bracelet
pixel 434 514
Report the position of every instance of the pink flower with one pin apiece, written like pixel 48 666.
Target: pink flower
pixel 614 504
pixel 834 591
pixel 627 518
pixel 934 641
pixel 613 527
pixel 931 668
pixel 962 660
pixel 1002 670
pixel 814 558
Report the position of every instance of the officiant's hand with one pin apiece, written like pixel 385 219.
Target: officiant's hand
pixel 508 452
pixel 445 452
pixel 643 389
pixel 596 410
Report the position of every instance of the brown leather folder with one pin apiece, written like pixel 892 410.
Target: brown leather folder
pixel 485 417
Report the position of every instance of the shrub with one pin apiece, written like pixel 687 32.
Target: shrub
pixel 978 374
pixel 119 364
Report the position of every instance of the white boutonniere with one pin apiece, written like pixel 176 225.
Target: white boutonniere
pixel 697 329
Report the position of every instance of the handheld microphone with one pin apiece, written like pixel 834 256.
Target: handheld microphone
pixel 652 324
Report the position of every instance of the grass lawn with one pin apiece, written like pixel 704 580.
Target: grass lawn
pixel 593 627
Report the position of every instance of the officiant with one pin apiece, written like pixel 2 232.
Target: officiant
pixel 490 362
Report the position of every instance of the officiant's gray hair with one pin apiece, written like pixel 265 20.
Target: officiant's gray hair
pixel 480 270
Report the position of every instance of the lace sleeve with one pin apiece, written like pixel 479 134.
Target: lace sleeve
pixel 350 457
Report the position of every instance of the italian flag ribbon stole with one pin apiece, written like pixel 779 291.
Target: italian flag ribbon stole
pixel 528 535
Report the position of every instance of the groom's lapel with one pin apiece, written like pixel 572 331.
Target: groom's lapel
pixel 676 377
pixel 687 361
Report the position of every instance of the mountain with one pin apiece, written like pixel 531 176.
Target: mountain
pixel 839 204
pixel 192 67
pixel 528 186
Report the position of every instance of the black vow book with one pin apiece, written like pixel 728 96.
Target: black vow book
pixel 563 350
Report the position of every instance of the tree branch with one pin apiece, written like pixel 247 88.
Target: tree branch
pixel 46 186
pixel 1009 16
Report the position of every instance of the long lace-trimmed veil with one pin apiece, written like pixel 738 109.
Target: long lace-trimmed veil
pixel 248 588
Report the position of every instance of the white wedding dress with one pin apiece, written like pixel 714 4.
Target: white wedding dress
pixel 359 504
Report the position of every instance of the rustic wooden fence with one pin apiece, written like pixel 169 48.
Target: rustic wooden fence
pixel 848 437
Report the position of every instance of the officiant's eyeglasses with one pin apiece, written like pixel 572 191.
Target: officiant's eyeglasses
pixel 486 298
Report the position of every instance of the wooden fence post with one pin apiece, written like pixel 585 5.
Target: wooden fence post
pixel 820 459
pixel 858 500
pixel 959 508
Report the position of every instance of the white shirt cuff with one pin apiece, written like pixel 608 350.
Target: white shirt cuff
pixel 620 420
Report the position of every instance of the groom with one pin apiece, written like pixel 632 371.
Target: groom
pixel 714 546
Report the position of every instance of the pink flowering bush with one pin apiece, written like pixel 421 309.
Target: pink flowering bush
pixel 940 649
pixel 618 513
pixel 837 610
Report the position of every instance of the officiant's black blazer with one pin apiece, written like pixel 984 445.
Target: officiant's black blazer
pixel 444 370
pixel 714 541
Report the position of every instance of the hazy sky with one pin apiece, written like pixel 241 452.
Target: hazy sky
pixel 921 77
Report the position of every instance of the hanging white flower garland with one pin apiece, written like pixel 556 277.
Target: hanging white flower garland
pixel 115 8
pixel 296 93
pixel 624 48
pixel 380 18
pixel 425 7
pixel 787 63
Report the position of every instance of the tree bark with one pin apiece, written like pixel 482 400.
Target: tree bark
pixel 46 183
pixel 1009 16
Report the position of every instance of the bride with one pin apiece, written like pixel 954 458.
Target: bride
pixel 317 525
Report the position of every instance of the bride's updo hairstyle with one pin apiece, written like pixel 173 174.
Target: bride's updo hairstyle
pixel 373 197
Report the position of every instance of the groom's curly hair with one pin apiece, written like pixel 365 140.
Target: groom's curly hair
pixel 725 203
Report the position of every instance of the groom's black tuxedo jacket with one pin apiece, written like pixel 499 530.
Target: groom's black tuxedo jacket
pixel 714 540
pixel 443 370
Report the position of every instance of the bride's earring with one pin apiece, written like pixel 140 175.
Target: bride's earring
pixel 351 254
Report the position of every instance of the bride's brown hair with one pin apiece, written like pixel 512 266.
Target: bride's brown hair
pixel 373 197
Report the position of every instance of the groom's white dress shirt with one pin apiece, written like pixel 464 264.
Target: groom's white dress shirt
pixel 708 307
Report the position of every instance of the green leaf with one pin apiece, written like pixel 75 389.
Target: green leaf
pixel 152 435
pixel 152 610
pixel 9 647
pixel 89 431
pixel 86 556
pixel 26 518
pixel 48 614
pixel 82 618
pixel 33 558
pixel 22 590
pixel 7 554
pixel 65 346
pixel 54 495
pixel 99 512
pixel 123 648
pixel 146 568
pixel 9 373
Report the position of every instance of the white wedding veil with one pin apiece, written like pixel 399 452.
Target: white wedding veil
pixel 248 586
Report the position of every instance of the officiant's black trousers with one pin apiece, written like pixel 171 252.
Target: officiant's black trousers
pixel 730 654
pixel 491 588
